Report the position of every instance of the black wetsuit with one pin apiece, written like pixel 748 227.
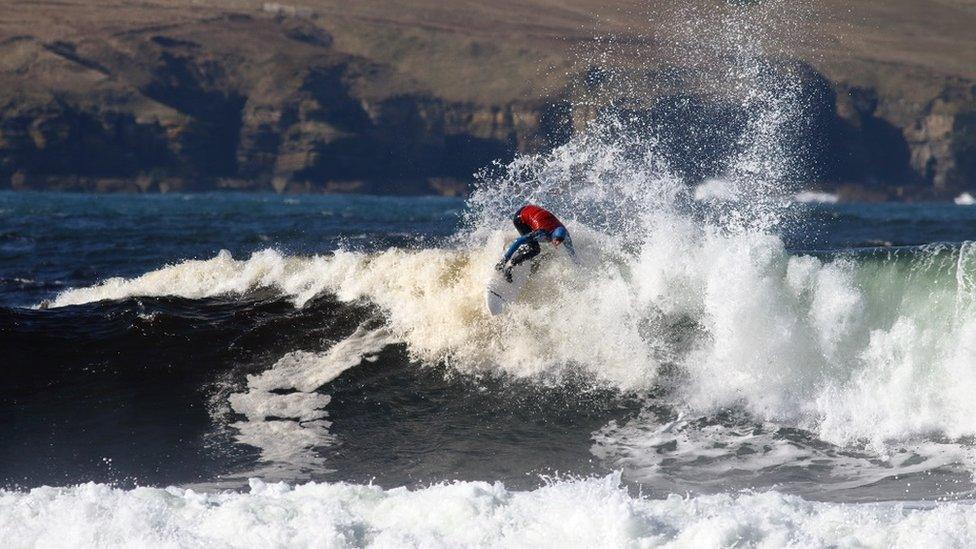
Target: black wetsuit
pixel 530 247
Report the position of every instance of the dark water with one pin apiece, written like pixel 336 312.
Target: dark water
pixel 134 391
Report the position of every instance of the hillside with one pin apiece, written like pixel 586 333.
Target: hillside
pixel 414 96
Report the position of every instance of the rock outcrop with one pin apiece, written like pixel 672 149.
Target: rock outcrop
pixel 167 111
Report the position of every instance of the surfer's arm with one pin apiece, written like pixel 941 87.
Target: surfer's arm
pixel 571 251
pixel 515 245
pixel 519 242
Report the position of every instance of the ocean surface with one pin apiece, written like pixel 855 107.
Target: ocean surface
pixel 319 370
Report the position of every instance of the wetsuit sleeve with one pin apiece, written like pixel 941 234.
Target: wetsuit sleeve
pixel 534 235
pixel 571 251
pixel 517 244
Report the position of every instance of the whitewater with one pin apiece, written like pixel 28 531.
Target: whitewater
pixel 582 513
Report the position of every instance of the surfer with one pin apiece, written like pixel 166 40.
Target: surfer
pixel 534 225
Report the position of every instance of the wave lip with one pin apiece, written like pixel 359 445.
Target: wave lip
pixel 221 275
pixel 569 513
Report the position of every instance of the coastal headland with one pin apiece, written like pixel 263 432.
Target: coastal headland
pixel 415 96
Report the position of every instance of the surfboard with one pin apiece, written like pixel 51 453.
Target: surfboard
pixel 500 293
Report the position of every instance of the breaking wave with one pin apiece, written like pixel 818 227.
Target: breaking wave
pixel 862 348
pixel 571 513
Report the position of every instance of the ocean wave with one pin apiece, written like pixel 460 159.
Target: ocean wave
pixel 567 513
pixel 700 300
pixel 857 349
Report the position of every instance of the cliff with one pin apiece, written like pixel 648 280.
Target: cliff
pixel 415 96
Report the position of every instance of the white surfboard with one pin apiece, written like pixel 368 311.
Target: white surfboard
pixel 500 293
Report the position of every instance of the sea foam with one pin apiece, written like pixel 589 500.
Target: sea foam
pixel 568 513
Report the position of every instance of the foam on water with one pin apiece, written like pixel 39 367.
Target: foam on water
pixel 733 451
pixel 570 513
pixel 713 190
pixel 285 416
pixel 816 197
pixel 965 199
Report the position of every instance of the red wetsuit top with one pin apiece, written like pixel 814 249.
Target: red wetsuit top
pixel 537 218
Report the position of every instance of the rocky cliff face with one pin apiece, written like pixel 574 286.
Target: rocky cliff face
pixel 909 144
pixel 165 110
pixel 266 99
